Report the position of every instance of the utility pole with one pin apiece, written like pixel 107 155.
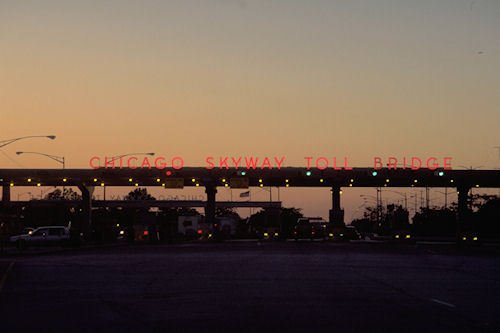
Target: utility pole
pixel 379 205
pixel 427 198
pixel 416 198
pixel 445 198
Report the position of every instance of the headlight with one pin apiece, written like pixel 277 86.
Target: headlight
pixel 408 236
pixel 474 239
pixel 266 234
pixel 330 235
pixel 397 236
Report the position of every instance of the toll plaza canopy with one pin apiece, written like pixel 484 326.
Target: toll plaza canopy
pixel 210 179
pixel 243 178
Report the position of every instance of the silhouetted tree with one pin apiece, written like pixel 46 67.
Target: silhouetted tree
pixel 227 212
pixel 383 220
pixel 289 217
pixel 186 211
pixel 67 194
pixel 435 222
pixel 285 219
pixel 488 218
pixel 364 225
pixel 478 200
pixel 139 194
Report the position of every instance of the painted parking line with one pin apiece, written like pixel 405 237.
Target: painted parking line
pixel 5 275
pixel 443 303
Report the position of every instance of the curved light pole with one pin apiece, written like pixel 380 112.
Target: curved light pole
pixel 371 197
pixel 59 159
pixel 365 196
pixel 470 167
pixel 379 202
pixel 117 157
pixel 4 143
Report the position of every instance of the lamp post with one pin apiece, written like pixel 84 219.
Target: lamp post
pixel 59 159
pixel 379 202
pixel 416 198
pixel 446 193
pixel 270 192
pixel 366 196
pixel 401 194
pixel 4 143
pixel 117 157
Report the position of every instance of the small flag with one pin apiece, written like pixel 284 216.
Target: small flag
pixel 244 194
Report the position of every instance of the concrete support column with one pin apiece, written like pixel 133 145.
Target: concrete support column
pixel 211 191
pixel 6 193
pixel 336 213
pixel 86 224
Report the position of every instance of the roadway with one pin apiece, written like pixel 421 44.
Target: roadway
pixel 252 287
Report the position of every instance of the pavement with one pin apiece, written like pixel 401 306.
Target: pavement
pixel 253 287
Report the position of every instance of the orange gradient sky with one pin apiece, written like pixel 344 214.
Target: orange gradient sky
pixel 293 78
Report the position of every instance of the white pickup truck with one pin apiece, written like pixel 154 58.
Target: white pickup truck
pixel 48 235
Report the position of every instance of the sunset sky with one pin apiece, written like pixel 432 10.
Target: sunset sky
pixel 265 78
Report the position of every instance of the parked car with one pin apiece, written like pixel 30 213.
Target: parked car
pixel 48 235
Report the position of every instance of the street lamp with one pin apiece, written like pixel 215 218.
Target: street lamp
pixel 369 197
pixel 114 158
pixel 379 202
pixel 416 198
pixel 446 193
pixel 59 159
pixel 401 194
pixel 4 143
